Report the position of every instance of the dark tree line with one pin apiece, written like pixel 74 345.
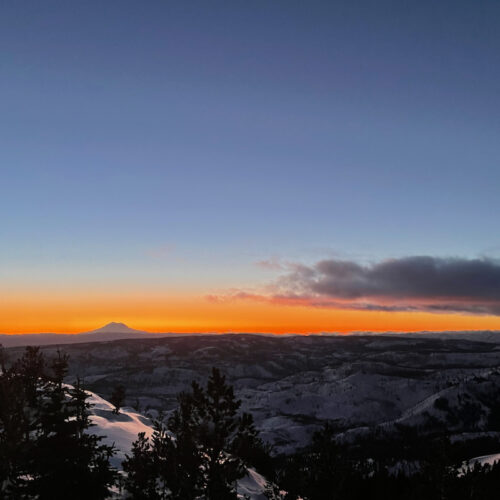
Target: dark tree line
pixel 327 470
pixel 46 448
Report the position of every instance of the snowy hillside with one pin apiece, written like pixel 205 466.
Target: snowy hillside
pixel 292 385
pixel 118 430
pixel 485 460
pixel 121 431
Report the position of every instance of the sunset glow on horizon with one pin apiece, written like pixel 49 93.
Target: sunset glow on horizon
pixel 75 314
pixel 269 167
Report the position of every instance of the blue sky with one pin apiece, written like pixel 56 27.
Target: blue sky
pixel 174 144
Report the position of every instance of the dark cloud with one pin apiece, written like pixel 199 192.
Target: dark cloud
pixel 410 283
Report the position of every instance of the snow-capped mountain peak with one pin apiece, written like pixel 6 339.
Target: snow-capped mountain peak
pixel 115 327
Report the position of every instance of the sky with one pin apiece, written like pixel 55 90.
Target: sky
pixel 278 166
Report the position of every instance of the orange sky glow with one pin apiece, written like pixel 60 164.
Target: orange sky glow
pixel 63 313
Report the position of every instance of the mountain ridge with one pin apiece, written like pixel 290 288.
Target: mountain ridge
pixel 120 331
pixel 113 327
pixel 109 332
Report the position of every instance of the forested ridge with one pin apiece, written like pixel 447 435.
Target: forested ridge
pixel 48 450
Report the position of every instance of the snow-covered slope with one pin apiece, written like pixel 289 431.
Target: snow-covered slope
pixel 485 459
pixel 482 460
pixel 121 431
pixel 293 385
pixel 252 486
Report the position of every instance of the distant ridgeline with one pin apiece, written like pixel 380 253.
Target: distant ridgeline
pixel 120 331
pixel 111 331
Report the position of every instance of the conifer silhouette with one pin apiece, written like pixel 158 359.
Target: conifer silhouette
pixel 117 398
pixel 47 451
pixel 202 454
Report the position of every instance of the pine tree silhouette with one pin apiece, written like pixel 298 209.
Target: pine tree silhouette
pixel 140 468
pixel 46 448
pixel 117 398
pixel 31 369
pixel 202 457
pixel 15 440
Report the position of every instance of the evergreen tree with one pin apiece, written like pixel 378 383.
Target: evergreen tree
pixel 216 436
pixel 248 446
pixel 21 394
pixel 31 369
pixel 140 468
pixel 46 449
pixel 59 368
pixel 117 398
pixel 208 452
pixel 186 453
pixel 15 440
pixel 92 457
pixel 323 471
pixel 3 359
pixel 69 460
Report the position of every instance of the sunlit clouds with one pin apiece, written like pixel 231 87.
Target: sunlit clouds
pixel 70 311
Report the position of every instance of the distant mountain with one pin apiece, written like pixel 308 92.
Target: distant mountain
pixel 120 331
pixel 111 331
pixel 114 328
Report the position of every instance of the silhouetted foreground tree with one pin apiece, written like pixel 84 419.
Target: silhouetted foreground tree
pixel 46 449
pixel 117 398
pixel 327 470
pixel 206 449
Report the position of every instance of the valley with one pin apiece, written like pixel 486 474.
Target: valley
pixel 292 385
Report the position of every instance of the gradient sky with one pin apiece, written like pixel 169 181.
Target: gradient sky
pixel 152 154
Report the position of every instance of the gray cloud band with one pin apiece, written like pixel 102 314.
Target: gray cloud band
pixel 410 283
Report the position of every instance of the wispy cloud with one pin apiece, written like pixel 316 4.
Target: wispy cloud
pixel 273 264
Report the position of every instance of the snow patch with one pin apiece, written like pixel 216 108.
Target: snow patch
pixel 121 430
